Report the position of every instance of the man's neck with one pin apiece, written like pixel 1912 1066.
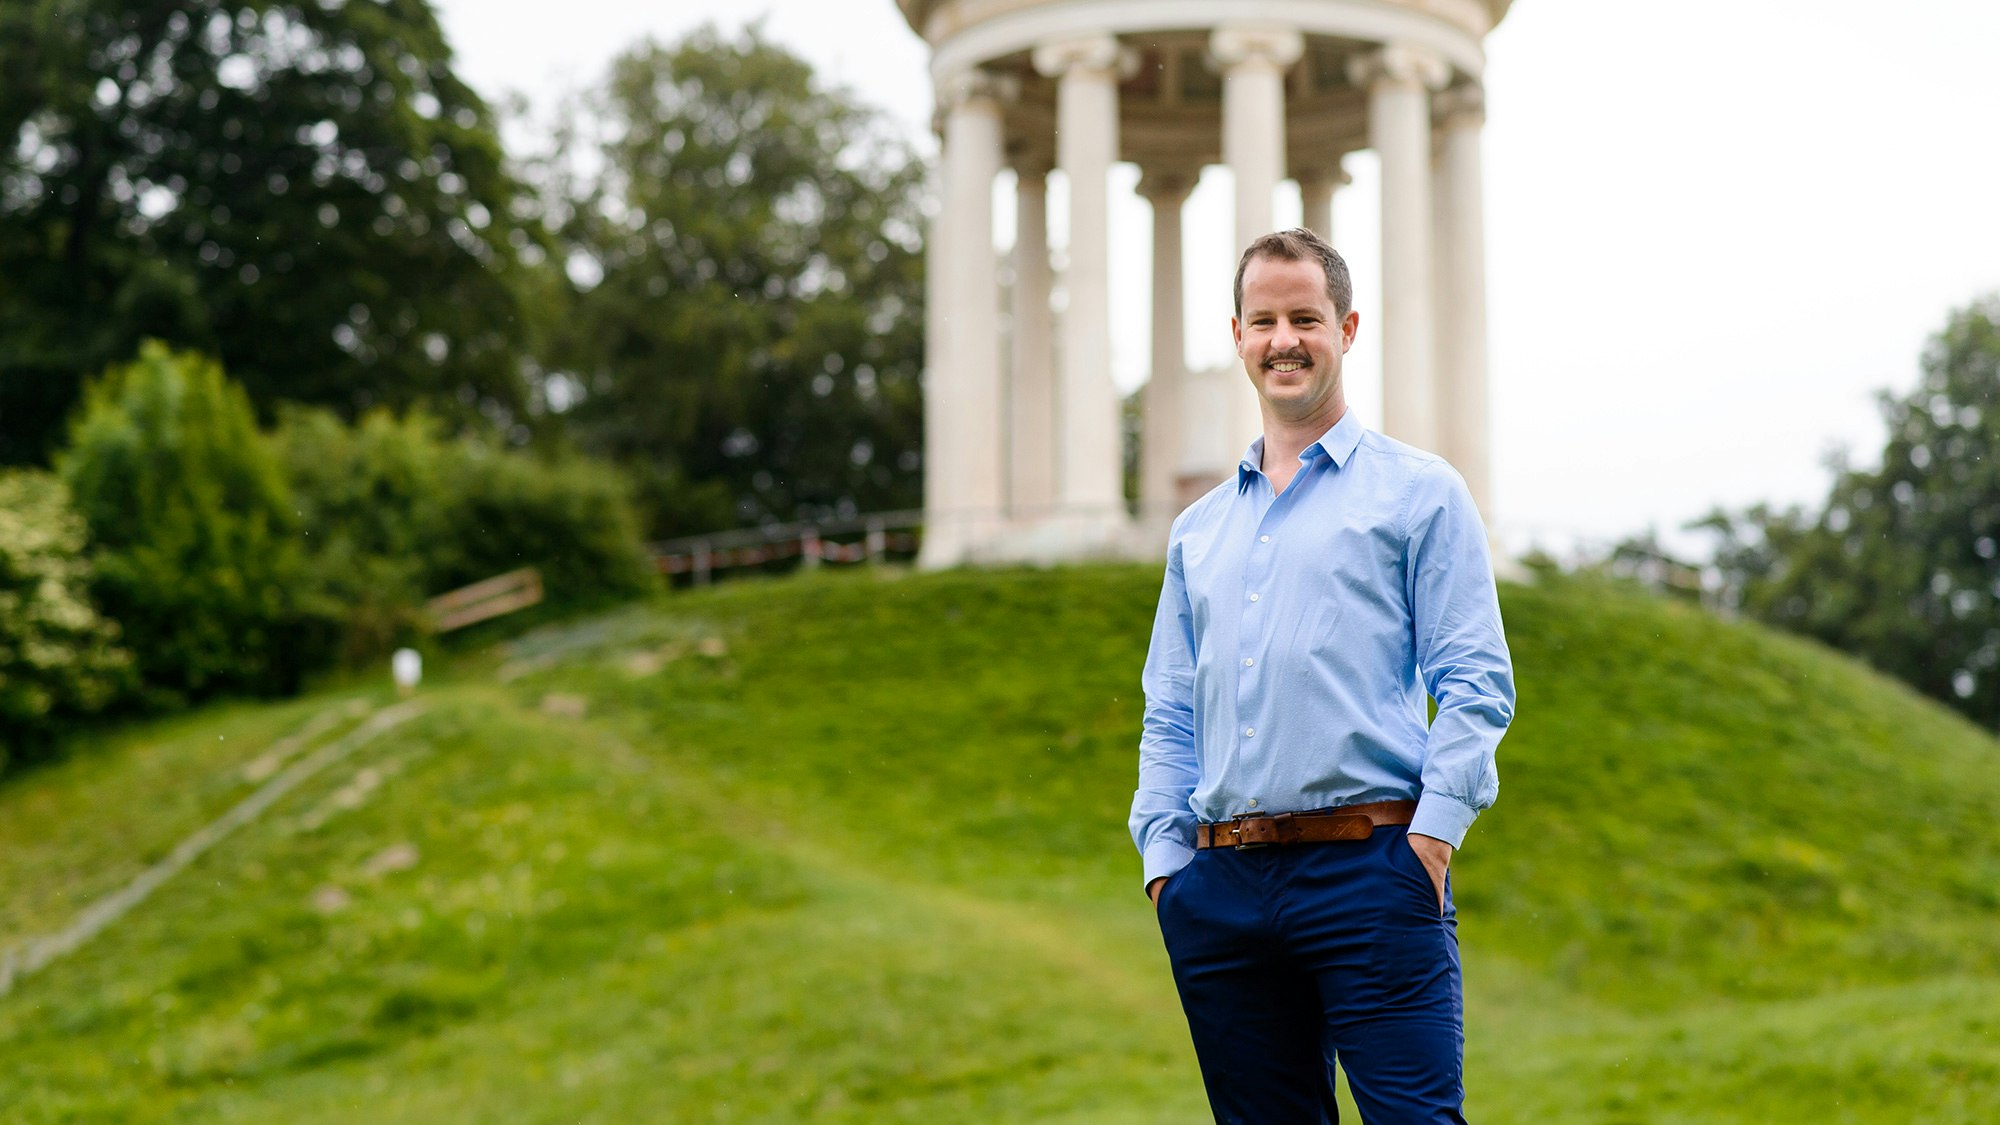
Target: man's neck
pixel 1284 440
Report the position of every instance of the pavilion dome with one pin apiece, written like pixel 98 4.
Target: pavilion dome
pixel 939 19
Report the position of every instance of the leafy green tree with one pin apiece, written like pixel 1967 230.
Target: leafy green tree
pixel 1902 565
pixel 59 658
pixel 746 327
pixel 300 187
pixel 193 530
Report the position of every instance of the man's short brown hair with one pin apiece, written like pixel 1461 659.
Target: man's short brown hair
pixel 1301 245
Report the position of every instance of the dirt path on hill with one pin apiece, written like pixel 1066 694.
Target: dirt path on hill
pixel 27 957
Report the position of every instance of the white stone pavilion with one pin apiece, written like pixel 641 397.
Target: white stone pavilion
pixel 1023 436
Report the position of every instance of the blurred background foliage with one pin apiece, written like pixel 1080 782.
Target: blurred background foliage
pixel 1901 563
pixel 59 657
pixel 196 541
pixel 711 274
pixel 308 347
pixel 745 335
pixel 400 508
pixel 302 190
pixel 233 559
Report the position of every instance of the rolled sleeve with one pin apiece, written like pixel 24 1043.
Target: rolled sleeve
pixel 1443 818
pixel 1164 858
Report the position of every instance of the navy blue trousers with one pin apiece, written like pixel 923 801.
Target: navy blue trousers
pixel 1290 959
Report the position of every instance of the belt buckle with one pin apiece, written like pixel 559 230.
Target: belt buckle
pixel 1275 819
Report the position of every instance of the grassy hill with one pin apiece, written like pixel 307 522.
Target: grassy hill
pixel 851 848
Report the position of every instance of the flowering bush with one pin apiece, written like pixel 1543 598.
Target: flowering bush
pixel 59 658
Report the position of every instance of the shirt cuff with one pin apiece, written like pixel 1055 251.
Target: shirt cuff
pixel 1163 858
pixel 1441 817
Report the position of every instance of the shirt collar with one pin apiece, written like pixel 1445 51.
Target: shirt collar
pixel 1338 444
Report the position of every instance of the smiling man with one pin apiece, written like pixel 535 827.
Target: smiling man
pixel 1295 813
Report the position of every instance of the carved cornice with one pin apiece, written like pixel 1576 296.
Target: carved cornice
pixel 977 84
pixel 1273 47
pixel 1399 64
pixel 1092 54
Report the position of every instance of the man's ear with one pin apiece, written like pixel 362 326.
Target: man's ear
pixel 1236 333
pixel 1350 326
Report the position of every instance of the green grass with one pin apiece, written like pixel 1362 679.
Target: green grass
pixel 851 848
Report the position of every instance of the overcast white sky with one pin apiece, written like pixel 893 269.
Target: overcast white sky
pixel 1715 227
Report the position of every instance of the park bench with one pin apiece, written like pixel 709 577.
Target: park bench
pixel 468 605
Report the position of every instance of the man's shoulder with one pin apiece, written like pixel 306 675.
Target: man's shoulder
pixel 1208 507
pixel 1403 462
pixel 1425 483
pixel 1401 457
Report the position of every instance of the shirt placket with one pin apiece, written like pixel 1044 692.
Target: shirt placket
pixel 1260 582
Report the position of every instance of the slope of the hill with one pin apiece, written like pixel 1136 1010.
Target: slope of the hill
pixel 851 847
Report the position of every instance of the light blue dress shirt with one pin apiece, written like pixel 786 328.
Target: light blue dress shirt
pixel 1297 635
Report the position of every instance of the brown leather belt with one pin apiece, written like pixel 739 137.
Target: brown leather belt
pixel 1348 822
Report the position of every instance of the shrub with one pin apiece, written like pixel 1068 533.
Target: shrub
pixel 59 659
pixel 396 511
pixel 568 515
pixel 371 498
pixel 193 531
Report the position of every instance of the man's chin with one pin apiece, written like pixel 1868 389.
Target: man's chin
pixel 1296 403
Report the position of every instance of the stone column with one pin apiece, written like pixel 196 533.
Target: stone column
pixel 1090 475
pixel 1031 414
pixel 1253 62
pixel 965 451
pixel 1399 80
pixel 939 542
pixel 1461 289
pixel 1161 436
pixel 1316 188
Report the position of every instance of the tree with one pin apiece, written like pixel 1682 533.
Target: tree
pixel 193 530
pixel 746 326
pixel 301 188
pixel 1902 565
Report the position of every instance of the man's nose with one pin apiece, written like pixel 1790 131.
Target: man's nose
pixel 1284 338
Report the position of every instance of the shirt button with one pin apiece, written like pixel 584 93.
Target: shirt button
pixel 1249 662
pixel 1253 597
pixel 1253 802
pixel 1249 732
pixel 1263 539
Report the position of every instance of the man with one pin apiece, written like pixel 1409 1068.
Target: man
pixel 1296 815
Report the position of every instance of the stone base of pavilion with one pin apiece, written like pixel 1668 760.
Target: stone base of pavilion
pixel 1048 540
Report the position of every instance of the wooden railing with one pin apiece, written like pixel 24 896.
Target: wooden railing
pixel 879 535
